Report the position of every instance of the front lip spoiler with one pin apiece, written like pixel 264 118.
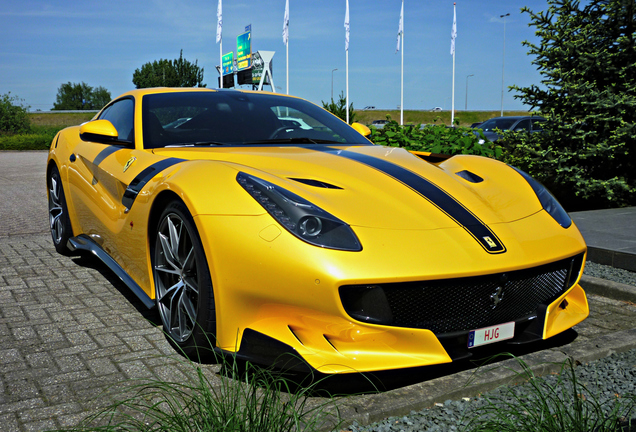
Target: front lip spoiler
pixel 85 243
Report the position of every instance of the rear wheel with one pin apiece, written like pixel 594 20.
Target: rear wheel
pixel 59 221
pixel 183 285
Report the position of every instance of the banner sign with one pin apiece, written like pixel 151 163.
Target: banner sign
pixel 228 63
pixel 258 66
pixel 244 51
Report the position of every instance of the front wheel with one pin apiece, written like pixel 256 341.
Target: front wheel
pixel 59 220
pixel 183 285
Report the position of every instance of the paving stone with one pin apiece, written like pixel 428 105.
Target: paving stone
pixel 9 423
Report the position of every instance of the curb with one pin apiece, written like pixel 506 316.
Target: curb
pixel 610 289
pixel 618 259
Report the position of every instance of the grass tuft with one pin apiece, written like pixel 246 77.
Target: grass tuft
pixel 247 398
pixel 567 405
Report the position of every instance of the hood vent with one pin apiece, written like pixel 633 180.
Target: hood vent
pixel 315 183
pixel 433 157
pixel 469 176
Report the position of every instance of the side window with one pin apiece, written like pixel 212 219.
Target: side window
pixel 523 125
pixel 537 125
pixel 121 115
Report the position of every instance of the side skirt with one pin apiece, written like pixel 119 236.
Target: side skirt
pixel 85 243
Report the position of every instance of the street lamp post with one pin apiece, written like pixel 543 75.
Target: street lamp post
pixel 503 61
pixel 466 105
pixel 332 82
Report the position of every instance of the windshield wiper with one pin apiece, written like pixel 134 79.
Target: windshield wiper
pixel 198 144
pixel 298 140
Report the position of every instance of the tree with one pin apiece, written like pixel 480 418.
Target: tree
pixel 14 118
pixel 587 59
pixel 73 96
pixel 169 73
pixel 339 108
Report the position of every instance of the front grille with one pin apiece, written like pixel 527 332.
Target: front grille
pixel 446 306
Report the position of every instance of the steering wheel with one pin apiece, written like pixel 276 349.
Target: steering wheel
pixel 280 129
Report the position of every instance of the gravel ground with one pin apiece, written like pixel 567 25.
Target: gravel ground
pixel 610 273
pixel 609 383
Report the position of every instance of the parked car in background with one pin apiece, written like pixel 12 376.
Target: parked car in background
pixel 379 124
pixel 370 107
pixel 436 109
pixel 512 123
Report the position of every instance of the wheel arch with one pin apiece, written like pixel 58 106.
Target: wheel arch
pixel 158 204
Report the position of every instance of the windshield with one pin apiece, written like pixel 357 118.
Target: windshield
pixel 497 123
pixel 235 118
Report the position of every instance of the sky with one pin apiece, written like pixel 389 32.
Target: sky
pixel 46 43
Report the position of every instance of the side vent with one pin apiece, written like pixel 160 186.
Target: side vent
pixel 295 335
pixel 329 342
pixel 469 176
pixel 315 183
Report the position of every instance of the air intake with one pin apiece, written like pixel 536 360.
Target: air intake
pixel 315 183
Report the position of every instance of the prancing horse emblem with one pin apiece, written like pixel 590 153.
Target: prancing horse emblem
pixel 496 297
pixel 129 163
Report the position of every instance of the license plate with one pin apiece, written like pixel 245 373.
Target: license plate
pixel 492 334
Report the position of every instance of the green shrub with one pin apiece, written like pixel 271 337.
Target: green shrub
pixel 433 138
pixel 27 141
pixel 13 115
pixel 339 108
pixel 587 60
pixel 592 177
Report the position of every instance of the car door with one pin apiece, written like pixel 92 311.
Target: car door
pixel 103 174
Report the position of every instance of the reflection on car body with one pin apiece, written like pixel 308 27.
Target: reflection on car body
pixel 265 227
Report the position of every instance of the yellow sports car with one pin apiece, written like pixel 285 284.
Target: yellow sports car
pixel 264 226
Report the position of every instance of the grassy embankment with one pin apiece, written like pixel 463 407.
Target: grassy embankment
pixel 465 118
pixel 44 126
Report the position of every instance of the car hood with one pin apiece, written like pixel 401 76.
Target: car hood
pixel 383 187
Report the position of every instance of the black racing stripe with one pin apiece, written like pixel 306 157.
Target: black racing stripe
pixel 143 177
pixel 433 193
pixel 105 153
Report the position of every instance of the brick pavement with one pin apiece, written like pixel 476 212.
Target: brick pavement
pixel 68 331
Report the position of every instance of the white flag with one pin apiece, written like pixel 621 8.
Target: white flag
pixel 219 22
pixel 453 32
pixel 286 23
pixel 346 26
pixel 400 28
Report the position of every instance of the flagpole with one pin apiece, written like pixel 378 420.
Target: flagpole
pixel 347 85
pixel 347 59
pixel 219 38
pixel 453 92
pixel 286 40
pixel 287 71
pixel 221 61
pixel 402 73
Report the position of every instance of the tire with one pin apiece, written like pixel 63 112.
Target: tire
pixel 183 286
pixel 59 220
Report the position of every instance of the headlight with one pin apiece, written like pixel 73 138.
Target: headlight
pixel 300 217
pixel 549 203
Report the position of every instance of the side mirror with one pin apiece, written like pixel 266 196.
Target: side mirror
pixel 361 129
pixel 101 131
